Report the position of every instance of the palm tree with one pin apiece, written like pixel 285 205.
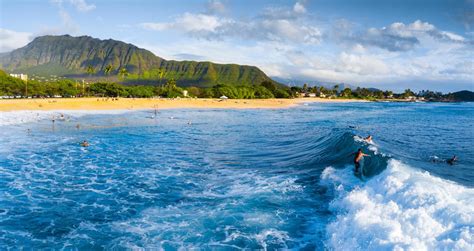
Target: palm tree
pixel 123 73
pixel 336 89
pixel 90 70
pixel 305 87
pixel 322 90
pixel 108 69
pixel 161 72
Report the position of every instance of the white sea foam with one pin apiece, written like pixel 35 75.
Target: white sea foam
pixel 400 209
pixel 20 117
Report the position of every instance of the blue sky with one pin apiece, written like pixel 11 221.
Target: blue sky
pixel 384 44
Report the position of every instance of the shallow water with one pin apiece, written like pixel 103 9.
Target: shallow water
pixel 236 179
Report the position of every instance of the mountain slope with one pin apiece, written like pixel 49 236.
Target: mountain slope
pixel 465 95
pixel 71 56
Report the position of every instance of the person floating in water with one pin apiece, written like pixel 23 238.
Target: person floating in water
pixel 452 160
pixel 357 158
pixel 368 139
pixel 85 143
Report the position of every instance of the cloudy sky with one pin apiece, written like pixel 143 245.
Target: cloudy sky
pixel 385 44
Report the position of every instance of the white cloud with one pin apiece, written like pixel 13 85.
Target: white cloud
pixel 154 26
pixel 189 22
pixel 299 8
pixel 403 37
pixel 80 5
pixel 11 40
pixel 361 64
pixel 68 24
pixel 286 30
pixel 212 27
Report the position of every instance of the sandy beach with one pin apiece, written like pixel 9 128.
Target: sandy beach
pixel 131 103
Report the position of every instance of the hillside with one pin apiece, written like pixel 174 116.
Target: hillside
pixel 467 96
pixel 72 56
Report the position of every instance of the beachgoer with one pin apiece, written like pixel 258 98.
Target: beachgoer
pixel 85 143
pixel 357 158
pixel 452 160
pixel 368 139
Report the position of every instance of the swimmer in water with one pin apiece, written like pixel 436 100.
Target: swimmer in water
pixel 452 160
pixel 368 139
pixel 85 143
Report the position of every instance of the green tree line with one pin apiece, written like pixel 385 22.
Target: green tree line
pixel 10 86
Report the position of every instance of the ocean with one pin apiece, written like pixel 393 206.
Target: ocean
pixel 240 179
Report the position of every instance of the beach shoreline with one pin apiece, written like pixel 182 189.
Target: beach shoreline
pixel 51 104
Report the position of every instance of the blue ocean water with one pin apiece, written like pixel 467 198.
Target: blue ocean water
pixel 241 179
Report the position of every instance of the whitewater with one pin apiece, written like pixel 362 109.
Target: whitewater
pixel 246 179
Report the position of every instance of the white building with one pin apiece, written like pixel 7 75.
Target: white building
pixel 21 76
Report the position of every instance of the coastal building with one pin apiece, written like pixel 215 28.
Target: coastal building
pixel 21 76
pixel 185 93
pixel 310 95
pixel 322 95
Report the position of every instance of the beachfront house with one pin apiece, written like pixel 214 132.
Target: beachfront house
pixel 21 76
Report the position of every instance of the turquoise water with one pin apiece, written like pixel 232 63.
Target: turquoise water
pixel 233 179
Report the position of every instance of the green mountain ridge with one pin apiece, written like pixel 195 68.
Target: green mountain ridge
pixel 71 56
pixel 464 95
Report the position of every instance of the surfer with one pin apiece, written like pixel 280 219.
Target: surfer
pixel 452 160
pixel 85 143
pixel 357 158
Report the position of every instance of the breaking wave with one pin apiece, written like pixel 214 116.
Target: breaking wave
pixel 402 208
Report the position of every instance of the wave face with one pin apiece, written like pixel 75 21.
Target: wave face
pixel 246 179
